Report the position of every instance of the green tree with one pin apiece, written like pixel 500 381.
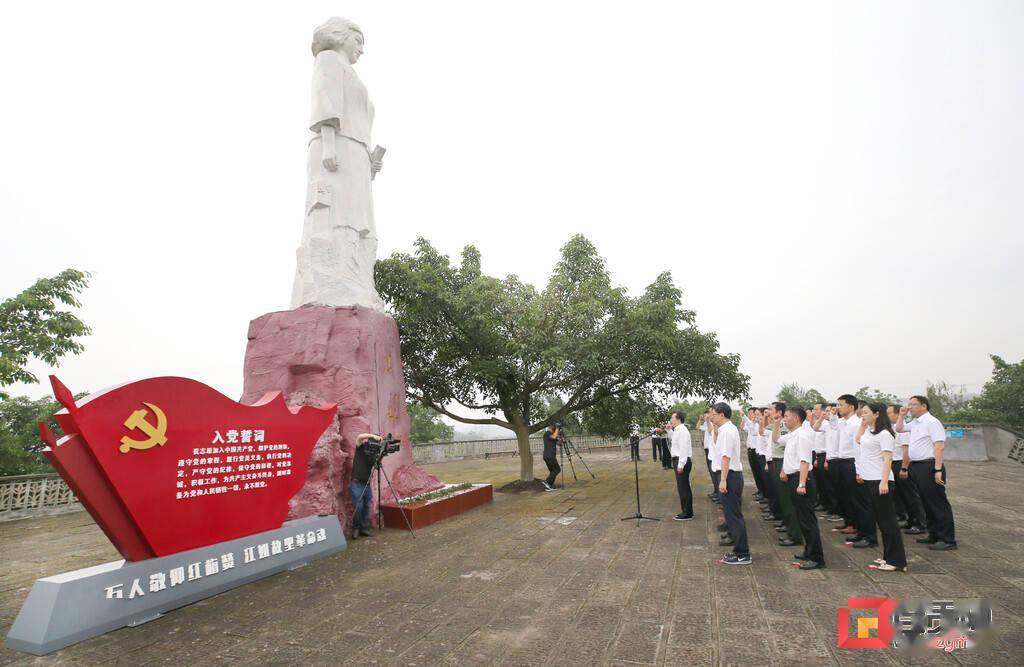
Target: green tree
pixel 20 444
pixel 944 399
pixel 794 394
pixel 692 409
pixel 32 324
pixel 503 347
pixel 1002 398
pixel 426 425
pixel 877 396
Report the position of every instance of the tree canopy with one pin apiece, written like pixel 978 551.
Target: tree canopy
pixel 485 350
pixel 426 425
pixel 794 394
pixel 32 324
pixel 1002 398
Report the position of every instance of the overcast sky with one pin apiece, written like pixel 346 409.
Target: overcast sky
pixel 836 186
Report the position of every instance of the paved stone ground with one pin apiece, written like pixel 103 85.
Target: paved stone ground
pixel 554 578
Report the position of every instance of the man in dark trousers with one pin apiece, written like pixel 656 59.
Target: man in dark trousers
pixel 359 487
pixel 634 446
pixel 926 452
pixel 729 467
pixel 551 456
pixel 796 468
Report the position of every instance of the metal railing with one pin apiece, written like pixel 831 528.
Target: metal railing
pixel 32 492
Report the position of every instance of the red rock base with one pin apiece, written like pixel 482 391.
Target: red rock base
pixel 348 356
pixel 432 511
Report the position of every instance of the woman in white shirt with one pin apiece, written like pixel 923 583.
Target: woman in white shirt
pixel 877 441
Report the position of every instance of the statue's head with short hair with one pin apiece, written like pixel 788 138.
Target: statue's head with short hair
pixel 335 34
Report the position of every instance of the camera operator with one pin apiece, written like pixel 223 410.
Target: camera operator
pixel 634 445
pixel 551 436
pixel 359 488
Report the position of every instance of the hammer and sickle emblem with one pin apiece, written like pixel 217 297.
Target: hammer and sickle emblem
pixel 137 421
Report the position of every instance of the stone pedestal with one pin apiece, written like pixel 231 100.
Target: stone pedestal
pixel 349 356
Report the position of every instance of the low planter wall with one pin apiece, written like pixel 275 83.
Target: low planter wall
pixel 439 509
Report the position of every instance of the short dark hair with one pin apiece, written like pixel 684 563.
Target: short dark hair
pixel 849 399
pixel 896 406
pixel 923 400
pixel 830 405
pixel 779 406
pixel 798 411
pixel 680 415
pixel 723 409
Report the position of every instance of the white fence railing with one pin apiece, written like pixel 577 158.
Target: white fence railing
pixel 32 492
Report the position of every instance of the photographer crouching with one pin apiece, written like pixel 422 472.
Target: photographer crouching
pixel 551 436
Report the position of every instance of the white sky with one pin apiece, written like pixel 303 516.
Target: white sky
pixel 837 187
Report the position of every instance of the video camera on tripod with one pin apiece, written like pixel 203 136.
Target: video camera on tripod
pixel 378 449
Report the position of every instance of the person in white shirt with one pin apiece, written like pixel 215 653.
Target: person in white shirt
pixel 928 472
pixel 831 453
pixel 907 499
pixel 867 531
pixel 853 504
pixel 682 455
pixel 789 523
pixel 877 441
pixel 749 426
pixel 706 427
pixel 730 486
pixel 822 433
pixel 796 473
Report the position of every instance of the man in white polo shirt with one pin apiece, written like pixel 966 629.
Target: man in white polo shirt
pixel 796 473
pixel 927 471
pixel 729 466
pixel 682 455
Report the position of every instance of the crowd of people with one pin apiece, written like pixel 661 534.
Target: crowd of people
pixel 862 469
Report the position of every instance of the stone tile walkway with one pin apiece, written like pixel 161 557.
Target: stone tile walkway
pixel 554 578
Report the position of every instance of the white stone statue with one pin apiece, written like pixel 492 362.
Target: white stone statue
pixel 339 238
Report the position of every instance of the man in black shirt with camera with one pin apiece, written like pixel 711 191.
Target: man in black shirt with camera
pixel 359 488
pixel 551 434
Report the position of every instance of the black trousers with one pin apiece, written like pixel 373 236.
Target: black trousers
pixel 833 480
pixel 656 446
pixel 821 480
pixel 732 501
pixel 846 477
pixel 937 511
pixel 666 454
pixel 865 515
pixel 907 496
pixel 551 459
pixel 803 507
pixel 634 451
pixel 755 471
pixel 711 474
pixel 769 488
pixel 683 486
pixel 885 516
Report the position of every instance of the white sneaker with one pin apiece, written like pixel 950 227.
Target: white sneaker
pixel 547 487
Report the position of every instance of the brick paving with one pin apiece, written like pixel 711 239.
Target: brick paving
pixel 555 578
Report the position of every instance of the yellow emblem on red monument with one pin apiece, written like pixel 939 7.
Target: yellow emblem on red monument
pixel 137 421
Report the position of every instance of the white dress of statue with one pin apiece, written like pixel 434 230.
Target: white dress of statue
pixel 339 238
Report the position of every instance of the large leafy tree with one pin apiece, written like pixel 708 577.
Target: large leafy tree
pixel 484 350
pixel 33 324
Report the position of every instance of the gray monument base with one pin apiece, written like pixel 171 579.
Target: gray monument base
pixel 74 606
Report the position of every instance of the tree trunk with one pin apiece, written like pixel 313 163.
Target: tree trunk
pixel 525 455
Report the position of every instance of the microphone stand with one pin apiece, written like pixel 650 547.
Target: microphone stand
pixel 639 516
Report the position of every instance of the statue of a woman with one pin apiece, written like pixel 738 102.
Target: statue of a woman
pixel 339 237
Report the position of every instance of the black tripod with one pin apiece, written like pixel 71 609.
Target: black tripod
pixel 567 450
pixel 639 515
pixel 378 466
